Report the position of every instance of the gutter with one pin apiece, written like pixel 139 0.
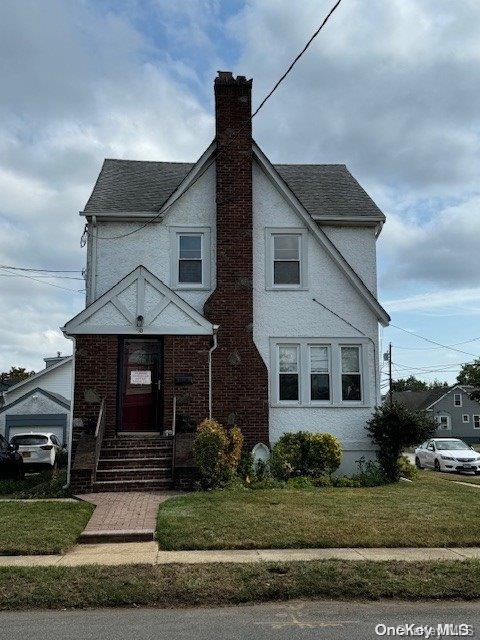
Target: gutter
pixel 210 353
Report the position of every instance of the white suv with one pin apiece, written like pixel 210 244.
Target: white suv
pixel 42 449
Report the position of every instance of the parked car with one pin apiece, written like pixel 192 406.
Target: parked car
pixel 11 462
pixel 39 449
pixel 447 454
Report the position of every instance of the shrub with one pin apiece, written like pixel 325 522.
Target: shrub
pixel 305 454
pixel 346 481
pixel 217 453
pixel 393 428
pixel 406 468
pixel 245 467
pixel 322 481
pixel 300 482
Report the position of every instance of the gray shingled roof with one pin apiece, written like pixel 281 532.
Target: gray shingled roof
pixel 136 185
pixel 419 400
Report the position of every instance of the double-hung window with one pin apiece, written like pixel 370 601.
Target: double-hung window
pixel 476 421
pixel 190 265
pixel 286 259
pixel 319 373
pixel 457 399
pixel 288 373
pixel 443 422
pixel 312 372
pixel 351 374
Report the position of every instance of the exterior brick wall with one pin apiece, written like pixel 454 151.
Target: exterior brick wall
pixel 186 355
pixel 240 379
pixel 96 358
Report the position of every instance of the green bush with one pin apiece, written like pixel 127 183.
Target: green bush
pixel 406 468
pixel 217 453
pixel 346 481
pixel 322 481
pixel 300 482
pixel 392 429
pixel 305 454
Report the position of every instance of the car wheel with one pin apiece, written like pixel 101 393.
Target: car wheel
pixel 417 462
pixel 437 465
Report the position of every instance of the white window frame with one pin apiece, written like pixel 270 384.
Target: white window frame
pixel 477 426
pixel 455 396
pixel 465 418
pixel 309 365
pixel 175 233
pixel 438 421
pixel 270 233
pixel 298 373
pixel 335 365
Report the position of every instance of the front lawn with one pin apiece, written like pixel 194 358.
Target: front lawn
pixel 36 485
pixel 458 477
pixel 228 584
pixel 41 527
pixel 428 512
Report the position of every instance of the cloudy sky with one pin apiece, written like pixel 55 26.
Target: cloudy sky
pixel 390 88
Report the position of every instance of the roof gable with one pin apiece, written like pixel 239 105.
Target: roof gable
pixel 38 375
pixel 321 237
pixel 55 397
pixel 133 186
pixel 140 304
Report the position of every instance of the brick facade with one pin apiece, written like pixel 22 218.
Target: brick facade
pixel 96 371
pixel 240 379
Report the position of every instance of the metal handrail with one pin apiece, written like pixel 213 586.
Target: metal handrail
pixel 99 431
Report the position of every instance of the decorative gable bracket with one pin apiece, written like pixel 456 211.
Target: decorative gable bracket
pixel 140 303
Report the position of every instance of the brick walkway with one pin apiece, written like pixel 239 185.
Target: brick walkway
pixel 127 516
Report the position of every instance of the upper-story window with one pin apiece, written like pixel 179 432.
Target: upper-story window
pixel 190 264
pixel 457 399
pixel 286 259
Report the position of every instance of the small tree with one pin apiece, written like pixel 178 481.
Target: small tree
pixel 393 428
pixel 217 452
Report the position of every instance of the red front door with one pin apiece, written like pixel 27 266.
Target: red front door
pixel 141 392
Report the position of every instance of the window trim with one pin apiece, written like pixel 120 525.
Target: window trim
pixel 298 373
pixel 438 416
pixel 270 233
pixel 334 345
pixel 467 416
pixel 455 396
pixel 309 374
pixel 205 233
pixel 476 415
pixel 351 373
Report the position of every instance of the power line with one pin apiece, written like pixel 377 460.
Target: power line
pixel 454 344
pixel 43 276
pixel 51 284
pixel 7 266
pixel 439 344
pixel 87 232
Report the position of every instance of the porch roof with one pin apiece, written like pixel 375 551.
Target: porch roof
pixel 139 304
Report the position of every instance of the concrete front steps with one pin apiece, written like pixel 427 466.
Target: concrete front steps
pixel 135 463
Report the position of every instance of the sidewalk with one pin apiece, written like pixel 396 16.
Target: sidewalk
pixel 149 553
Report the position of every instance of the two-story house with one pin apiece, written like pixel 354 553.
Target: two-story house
pixel 229 287
pixel 456 413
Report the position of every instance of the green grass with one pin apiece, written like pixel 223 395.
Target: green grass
pixel 41 527
pixel 36 485
pixel 428 512
pixel 228 584
pixel 458 477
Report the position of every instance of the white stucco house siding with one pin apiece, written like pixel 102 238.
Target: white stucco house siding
pixel 294 313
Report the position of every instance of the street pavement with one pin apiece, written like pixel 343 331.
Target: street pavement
pixel 278 621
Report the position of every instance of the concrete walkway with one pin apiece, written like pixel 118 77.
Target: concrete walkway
pixel 149 553
pixel 123 517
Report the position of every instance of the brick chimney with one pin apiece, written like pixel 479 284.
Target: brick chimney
pixel 240 379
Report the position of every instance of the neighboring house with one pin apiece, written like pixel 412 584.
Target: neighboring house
pixel 456 414
pixel 231 287
pixel 40 402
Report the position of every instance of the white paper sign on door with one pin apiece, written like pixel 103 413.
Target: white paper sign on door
pixel 140 377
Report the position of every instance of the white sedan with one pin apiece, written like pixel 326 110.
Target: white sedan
pixel 39 449
pixel 447 454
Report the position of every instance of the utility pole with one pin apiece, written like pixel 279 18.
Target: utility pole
pixel 390 372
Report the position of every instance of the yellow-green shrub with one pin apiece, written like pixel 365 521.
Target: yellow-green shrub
pixel 217 452
pixel 305 454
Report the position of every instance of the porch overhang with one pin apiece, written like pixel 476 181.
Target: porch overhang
pixel 139 304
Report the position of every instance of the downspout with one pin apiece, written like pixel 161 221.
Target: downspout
pixel 70 420
pixel 210 352
pixel 94 259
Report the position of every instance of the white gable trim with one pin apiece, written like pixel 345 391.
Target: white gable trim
pixel 38 375
pixel 454 388
pixel 141 275
pixel 320 236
